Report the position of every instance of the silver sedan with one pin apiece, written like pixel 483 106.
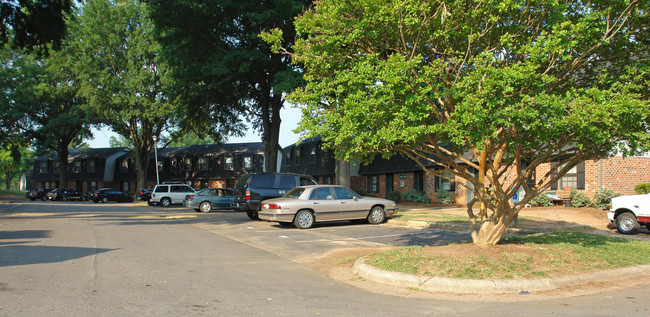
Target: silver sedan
pixel 305 205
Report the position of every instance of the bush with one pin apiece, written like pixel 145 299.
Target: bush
pixel 604 198
pixel 579 199
pixel 444 196
pixel 394 195
pixel 417 196
pixel 541 200
pixel 642 188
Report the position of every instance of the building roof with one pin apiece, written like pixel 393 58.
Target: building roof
pixel 213 149
pixel 88 153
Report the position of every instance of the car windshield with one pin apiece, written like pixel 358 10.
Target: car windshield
pixel 294 193
pixel 205 191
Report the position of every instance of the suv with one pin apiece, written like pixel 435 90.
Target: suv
pixel 167 194
pixel 253 188
pixel 628 213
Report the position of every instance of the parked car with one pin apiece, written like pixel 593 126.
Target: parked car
pixel 40 193
pixel 251 189
pixel 64 194
pixel 208 199
pixel 305 205
pixel 144 194
pixel 108 194
pixel 629 212
pixel 168 194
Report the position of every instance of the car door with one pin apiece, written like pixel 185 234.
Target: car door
pixel 350 207
pixel 322 201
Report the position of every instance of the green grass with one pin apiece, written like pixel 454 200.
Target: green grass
pixel 548 255
pixel 12 192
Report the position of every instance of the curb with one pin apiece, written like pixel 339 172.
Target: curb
pixel 498 286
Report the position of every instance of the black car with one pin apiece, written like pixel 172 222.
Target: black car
pixel 251 189
pixel 64 194
pixel 40 193
pixel 144 194
pixel 108 194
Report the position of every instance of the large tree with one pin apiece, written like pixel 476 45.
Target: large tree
pixel 485 90
pixel 122 76
pixel 223 70
pixel 40 106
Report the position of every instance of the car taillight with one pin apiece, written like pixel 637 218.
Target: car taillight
pixel 190 197
pixel 96 194
pixel 248 195
pixel 153 195
pixel 271 206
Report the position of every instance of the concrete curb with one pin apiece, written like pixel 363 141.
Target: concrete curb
pixel 498 286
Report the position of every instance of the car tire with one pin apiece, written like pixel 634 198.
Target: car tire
pixel 165 202
pixel 64 198
pixel 626 223
pixel 205 206
pixel 647 226
pixel 253 215
pixel 104 199
pixel 304 219
pixel 44 198
pixel 377 215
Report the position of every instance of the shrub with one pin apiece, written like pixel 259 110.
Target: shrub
pixel 394 195
pixel 579 199
pixel 444 196
pixel 603 198
pixel 541 200
pixel 417 196
pixel 642 188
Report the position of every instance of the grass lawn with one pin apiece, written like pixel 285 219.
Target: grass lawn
pixel 535 256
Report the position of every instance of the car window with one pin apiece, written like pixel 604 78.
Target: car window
pixel 263 181
pixel 294 193
pixel 321 193
pixel 162 189
pixel 287 181
pixel 242 181
pixel 304 181
pixel 344 193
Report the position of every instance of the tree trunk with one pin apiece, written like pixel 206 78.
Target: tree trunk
pixel 142 163
pixel 271 135
pixel 63 165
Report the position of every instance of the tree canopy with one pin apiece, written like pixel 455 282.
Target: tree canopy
pixel 223 71
pixel 485 90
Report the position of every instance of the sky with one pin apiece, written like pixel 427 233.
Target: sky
pixel 290 117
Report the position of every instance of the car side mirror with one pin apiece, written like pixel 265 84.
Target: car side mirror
pixel 355 198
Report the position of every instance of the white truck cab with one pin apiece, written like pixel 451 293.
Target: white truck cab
pixel 628 213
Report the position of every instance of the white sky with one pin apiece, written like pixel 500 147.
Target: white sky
pixel 290 118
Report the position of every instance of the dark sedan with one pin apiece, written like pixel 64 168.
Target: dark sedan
pixel 40 193
pixel 144 194
pixel 108 194
pixel 64 194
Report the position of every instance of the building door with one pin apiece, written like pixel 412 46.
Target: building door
pixel 389 183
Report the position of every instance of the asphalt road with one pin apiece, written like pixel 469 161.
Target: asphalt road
pixel 85 259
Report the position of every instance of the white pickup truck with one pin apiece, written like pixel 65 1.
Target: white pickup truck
pixel 628 213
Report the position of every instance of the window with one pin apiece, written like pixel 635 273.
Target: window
pixel 304 181
pixel 229 166
pixel 312 157
pixel 43 167
pixel 344 193
pixel 445 181
pixel 92 186
pixel 374 184
pixel 328 180
pixel 187 163
pixel 124 166
pixel 77 167
pixel 248 162
pixel 297 156
pixel 91 166
pixel 288 159
pixel 321 193
pixel 326 154
pixel 203 164
pixel 125 186
pixel 574 178
pixel 287 181
pixel 161 165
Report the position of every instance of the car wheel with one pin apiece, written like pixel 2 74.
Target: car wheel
pixel 64 198
pixel 104 199
pixel 44 198
pixel 304 219
pixel 286 224
pixel 647 226
pixel 377 215
pixel 84 198
pixel 205 206
pixel 165 202
pixel 626 223
pixel 253 215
